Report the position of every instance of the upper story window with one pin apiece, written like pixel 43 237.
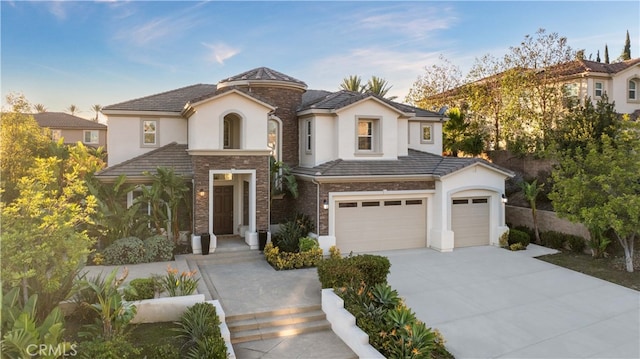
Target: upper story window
pixel 149 132
pixel 308 136
pixel 90 137
pixel 231 131
pixel 56 135
pixel 571 90
pixel 273 138
pixel 426 133
pixel 367 132
pixel 632 89
pixel 598 89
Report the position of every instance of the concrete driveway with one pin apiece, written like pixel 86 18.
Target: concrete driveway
pixel 492 303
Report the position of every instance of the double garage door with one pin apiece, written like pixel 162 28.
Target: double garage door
pixel 377 225
pixel 470 221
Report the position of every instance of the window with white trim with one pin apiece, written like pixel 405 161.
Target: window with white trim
pixel 149 132
pixel 632 89
pixel 273 138
pixel 56 135
pixel 90 136
pixel 308 135
pixel 136 197
pixel 367 132
pixel 598 89
pixel 426 133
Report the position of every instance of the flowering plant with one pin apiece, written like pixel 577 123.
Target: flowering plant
pixel 179 284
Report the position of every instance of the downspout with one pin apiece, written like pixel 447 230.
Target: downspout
pixel 193 206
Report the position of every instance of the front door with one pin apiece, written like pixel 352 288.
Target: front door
pixel 223 209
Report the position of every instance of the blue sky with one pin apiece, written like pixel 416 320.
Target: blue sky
pixel 84 53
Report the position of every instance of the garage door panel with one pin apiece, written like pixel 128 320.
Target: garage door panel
pixel 470 222
pixel 371 227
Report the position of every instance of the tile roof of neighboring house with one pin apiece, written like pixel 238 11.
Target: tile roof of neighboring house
pixel 585 66
pixel 416 163
pixel 63 120
pixel 170 101
pixel 173 155
pixel 337 100
pixel 263 74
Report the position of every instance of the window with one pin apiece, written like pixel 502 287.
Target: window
pixel 571 90
pixel 149 132
pixel 368 135
pixel 308 133
pixel 426 131
pixel 90 136
pixel 371 204
pixel 598 89
pixel 136 197
pixel 633 89
pixel 227 134
pixel 56 135
pixel 393 203
pixel 273 140
pixel 347 204
pixel 232 128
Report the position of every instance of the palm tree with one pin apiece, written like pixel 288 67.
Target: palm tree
pixel 39 108
pixel 97 109
pixel 352 83
pixel 531 191
pixel 379 86
pixel 73 109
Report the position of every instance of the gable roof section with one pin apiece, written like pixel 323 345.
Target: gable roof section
pixel 334 101
pixel 226 91
pixel 261 75
pixel 169 101
pixel 61 120
pixel 416 163
pixel 173 155
pixel 585 66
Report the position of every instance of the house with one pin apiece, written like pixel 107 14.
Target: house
pixel 369 170
pixel 73 129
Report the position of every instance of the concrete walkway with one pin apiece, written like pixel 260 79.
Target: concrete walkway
pixel 492 303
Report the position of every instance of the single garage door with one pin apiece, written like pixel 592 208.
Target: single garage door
pixel 377 225
pixel 470 221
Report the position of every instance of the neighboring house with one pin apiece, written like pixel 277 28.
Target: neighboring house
pixel 369 170
pixel 73 129
pixel 619 81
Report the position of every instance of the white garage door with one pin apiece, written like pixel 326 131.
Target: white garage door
pixel 376 225
pixel 470 221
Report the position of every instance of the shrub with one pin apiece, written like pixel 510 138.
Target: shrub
pixel 165 351
pixel 143 288
pixel 529 231
pixel 552 239
pixel 504 240
pixel 516 236
pixel 338 272
pixel 288 237
pixel 117 347
pixel 334 252
pixel 517 247
pixel 374 268
pixel 158 249
pixel 307 244
pixel 290 260
pixel 200 327
pixel 128 250
pixel 576 243
pixel 179 284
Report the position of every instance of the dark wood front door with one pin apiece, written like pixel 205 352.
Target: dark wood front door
pixel 223 210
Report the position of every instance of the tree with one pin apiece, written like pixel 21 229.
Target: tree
pixel 39 108
pixel 433 89
pixel 600 187
pixel 626 52
pixel 97 109
pixel 380 87
pixel 73 109
pixel 598 56
pixel 462 136
pixel 21 142
pixel 606 54
pixel 531 191
pixel 165 195
pixel 352 83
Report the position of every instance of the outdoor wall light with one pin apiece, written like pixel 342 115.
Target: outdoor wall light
pixel 201 192
pixel 504 199
pixel 325 204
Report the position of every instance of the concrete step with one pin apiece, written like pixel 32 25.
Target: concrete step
pixel 230 257
pixel 277 323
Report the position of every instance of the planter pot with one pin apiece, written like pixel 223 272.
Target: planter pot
pixel 262 239
pixel 205 241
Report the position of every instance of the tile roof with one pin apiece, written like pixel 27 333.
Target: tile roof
pixel 169 101
pixel 173 155
pixel 64 120
pixel 416 163
pixel 343 98
pixel 226 89
pixel 263 74
pixel 585 66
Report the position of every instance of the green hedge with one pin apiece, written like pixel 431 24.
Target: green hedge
pixel 128 250
pixel 289 260
pixel 158 248
pixel 339 272
pixel 143 288
pixel 517 236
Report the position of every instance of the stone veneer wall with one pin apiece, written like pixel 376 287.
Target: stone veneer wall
pixel 306 202
pixel 202 165
pixel 547 221
pixel 287 102
pixel 325 188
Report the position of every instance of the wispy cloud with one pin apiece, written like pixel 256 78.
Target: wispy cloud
pixel 57 9
pixel 219 52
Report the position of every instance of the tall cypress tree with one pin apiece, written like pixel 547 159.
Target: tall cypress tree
pixel 606 54
pixel 626 53
pixel 598 56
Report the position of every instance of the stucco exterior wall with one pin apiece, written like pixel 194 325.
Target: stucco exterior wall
pixel 415 136
pixel 72 136
pixel 125 135
pixel 547 221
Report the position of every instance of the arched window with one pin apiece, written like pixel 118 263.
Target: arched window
pixel 633 89
pixel 231 131
pixel 273 138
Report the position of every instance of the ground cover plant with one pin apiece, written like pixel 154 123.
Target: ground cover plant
pixel 291 247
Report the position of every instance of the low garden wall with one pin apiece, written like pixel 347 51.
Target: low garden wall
pixel 547 221
pixel 343 324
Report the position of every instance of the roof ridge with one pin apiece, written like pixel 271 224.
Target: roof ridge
pixel 146 154
pixel 157 94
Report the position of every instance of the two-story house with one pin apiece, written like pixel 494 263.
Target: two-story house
pixel 369 169
pixel 73 129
